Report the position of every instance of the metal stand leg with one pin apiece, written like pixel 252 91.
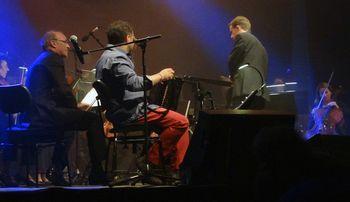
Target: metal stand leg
pixel 36 153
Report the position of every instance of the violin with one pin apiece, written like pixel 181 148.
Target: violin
pixel 326 119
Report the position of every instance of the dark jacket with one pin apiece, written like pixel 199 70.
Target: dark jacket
pixel 50 91
pixel 248 50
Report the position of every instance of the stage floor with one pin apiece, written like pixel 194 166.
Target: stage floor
pixel 118 193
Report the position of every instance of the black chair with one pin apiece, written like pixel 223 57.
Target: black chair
pixel 122 133
pixel 16 99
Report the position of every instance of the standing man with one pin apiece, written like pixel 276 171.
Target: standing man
pixel 117 70
pixel 248 64
pixel 54 106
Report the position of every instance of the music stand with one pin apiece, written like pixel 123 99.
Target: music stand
pixel 246 103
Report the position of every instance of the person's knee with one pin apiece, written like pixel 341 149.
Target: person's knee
pixel 182 123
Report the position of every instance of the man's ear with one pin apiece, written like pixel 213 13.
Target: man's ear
pixel 129 37
pixel 53 43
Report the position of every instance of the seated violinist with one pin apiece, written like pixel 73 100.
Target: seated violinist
pixel 326 117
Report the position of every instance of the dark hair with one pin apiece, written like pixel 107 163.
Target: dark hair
pixel 319 87
pixel 118 30
pixel 3 57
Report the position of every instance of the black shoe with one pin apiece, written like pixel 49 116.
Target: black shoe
pixel 56 178
pixel 172 177
pixel 141 164
pixel 7 180
pixel 25 181
pixel 97 177
pixel 153 180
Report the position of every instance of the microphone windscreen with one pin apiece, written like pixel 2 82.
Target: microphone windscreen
pixel 73 38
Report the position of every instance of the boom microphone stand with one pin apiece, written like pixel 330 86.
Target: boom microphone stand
pixel 143 46
pixel 96 39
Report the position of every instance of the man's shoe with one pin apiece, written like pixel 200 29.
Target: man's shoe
pixel 25 181
pixel 97 179
pixel 141 164
pixel 7 180
pixel 172 177
pixel 56 178
pixel 153 180
pixel 97 176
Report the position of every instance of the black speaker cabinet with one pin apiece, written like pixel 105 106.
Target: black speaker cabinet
pixel 220 150
pixel 334 147
pixel 289 101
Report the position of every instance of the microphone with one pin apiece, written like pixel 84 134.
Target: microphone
pixel 86 37
pixel 74 40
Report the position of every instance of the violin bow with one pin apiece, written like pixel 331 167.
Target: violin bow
pixel 324 92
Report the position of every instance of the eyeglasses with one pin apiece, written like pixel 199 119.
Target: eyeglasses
pixel 63 41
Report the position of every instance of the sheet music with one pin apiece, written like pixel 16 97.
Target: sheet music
pixel 90 98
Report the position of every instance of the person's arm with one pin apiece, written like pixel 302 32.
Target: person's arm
pixel 164 75
pixel 126 76
pixel 125 73
pixel 237 54
pixel 62 90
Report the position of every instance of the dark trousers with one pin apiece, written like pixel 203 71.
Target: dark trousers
pixel 69 119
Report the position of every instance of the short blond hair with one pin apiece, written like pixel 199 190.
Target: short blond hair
pixel 242 21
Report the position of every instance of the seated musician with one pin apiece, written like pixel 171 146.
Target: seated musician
pixel 116 68
pixel 3 70
pixel 3 82
pixel 54 106
pixel 326 117
pixel 8 155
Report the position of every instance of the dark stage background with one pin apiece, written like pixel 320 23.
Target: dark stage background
pixel 305 40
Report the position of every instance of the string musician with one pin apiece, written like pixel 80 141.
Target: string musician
pixel 3 70
pixel 326 117
pixel 55 106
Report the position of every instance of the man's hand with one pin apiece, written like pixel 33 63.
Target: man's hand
pixel 166 74
pixel 83 106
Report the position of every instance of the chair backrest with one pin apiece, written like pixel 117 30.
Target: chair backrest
pixel 103 93
pixel 14 99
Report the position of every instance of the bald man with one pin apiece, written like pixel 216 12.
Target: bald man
pixel 54 106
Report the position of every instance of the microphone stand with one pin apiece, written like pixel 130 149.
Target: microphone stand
pixel 142 43
pixel 77 142
pixel 143 46
pixel 146 39
pixel 96 39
